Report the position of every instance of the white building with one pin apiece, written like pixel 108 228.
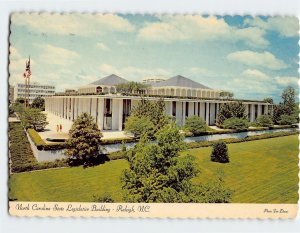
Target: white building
pixel 183 98
pixel 35 90
pixel 153 80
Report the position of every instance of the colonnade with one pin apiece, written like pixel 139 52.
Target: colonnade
pixel 109 112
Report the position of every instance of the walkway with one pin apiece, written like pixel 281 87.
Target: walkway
pixel 51 129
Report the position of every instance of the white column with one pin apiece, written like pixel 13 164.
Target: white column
pixel 252 113
pixel 196 108
pixel 115 114
pixel 212 114
pixel 183 112
pixel 179 113
pixel 100 113
pixel 93 112
pixel 259 110
pixel 120 125
pixel 207 114
pixel 246 110
pixel 202 110
pixel 191 109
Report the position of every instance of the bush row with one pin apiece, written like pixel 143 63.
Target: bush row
pixel 21 155
pixel 198 144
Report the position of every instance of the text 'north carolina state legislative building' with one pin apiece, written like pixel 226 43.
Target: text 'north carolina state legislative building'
pixel 183 98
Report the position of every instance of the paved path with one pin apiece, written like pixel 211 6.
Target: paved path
pixel 51 129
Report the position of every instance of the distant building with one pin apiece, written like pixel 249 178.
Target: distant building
pixel 35 90
pixel 106 85
pixel 11 94
pixel 71 91
pixel 153 80
pixel 183 98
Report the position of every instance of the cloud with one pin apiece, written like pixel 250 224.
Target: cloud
pixel 254 74
pixel 199 28
pixel 102 46
pixel 74 24
pixel 251 58
pixel 133 73
pixel 287 80
pixel 286 26
pixel 56 55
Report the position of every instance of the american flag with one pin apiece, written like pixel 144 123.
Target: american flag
pixel 27 72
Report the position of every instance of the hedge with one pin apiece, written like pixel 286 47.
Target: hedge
pixel 21 155
pixel 198 144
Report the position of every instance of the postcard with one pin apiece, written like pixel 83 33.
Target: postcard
pixel 169 116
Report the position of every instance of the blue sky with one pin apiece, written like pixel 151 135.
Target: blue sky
pixel 253 57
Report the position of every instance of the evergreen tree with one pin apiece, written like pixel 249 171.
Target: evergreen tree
pixel 152 112
pixel 231 110
pixel 38 102
pixel 83 145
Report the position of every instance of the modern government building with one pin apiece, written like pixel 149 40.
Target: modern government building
pixel 183 98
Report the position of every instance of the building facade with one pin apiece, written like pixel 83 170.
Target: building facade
pixel 110 110
pixel 35 90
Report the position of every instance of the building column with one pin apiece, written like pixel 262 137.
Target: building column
pixel 259 110
pixel 196 108
pixel 115 114
pixel 179 113
pixel 202 110
pixel 191 109
pixel 120 127
pixel 212 114
pixel 100 113
pixel 246 110
pixel 252 113
pixel 207 114
pixel 183 112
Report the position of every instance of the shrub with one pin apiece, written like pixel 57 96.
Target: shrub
pixel 35 137
pixel 236 124
pixel 195 125
pixel 264 121
pixel 287 120
pixel 83 145
pixel 231 110
pixel 138 125
pixel 105 198
pixel 220 152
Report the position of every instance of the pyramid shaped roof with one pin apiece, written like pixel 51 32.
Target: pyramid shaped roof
pixel 180 81
pixel 110 80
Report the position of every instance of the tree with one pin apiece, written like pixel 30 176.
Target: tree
pixel 226 95
pixel 264 121
pixel 231 110
pixel 38 102
pixel 153 111
pixel 195 125
pixel 34 118
pixel 83 145
pixel 220 152
pixel 288 97
pixel 138 125
pixel 269 100
pixel 20 100
pixel 288 105
pixel 287 120
pixel 235 123
pixel 132 88
pixel 156 173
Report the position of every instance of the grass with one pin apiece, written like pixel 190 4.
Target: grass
pixel 69 184
pixel 263 171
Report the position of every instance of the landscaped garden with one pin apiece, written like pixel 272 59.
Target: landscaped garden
pixel 262 171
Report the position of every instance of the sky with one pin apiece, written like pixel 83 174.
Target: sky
pixel 254 57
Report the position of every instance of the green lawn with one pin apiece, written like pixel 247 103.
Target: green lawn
pixel 263 171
